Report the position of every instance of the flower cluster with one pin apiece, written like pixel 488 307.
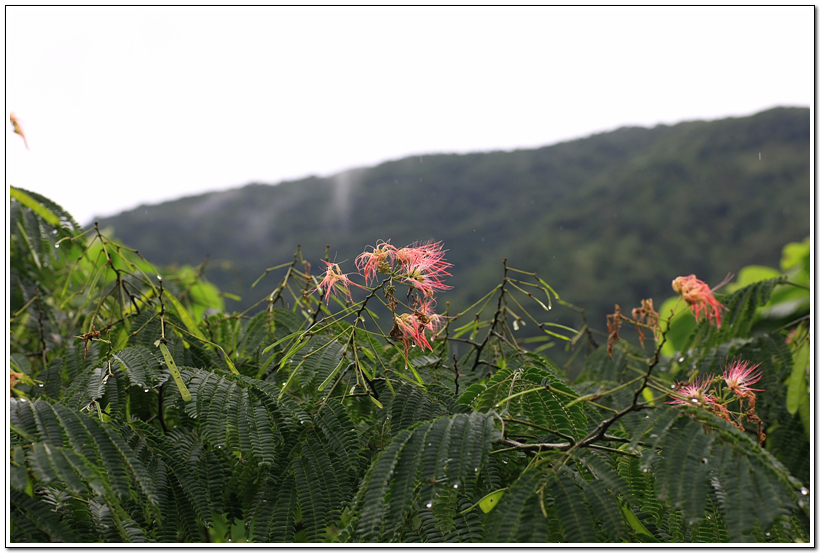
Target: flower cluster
pixel 700 298
pixel 738 376
pixel 412 326
pixel 334 276
pixel 694 393
pixel 420 266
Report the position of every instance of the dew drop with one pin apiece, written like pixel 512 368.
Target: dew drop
pixel 695 400
pixel 23 400
pixel 159 277
pixel 804 491
pixel 768 534
pixel 145 390
pixel 40 385
pixel 414 345
pixel 653 435
pixel 56 245
pixel 673 386
pixel 646 470
pixel 455 485
pixel 704 461
pixel 475 469
pixel 680 360
pixel 429 504
pixel 219 446
pixel 505 462
pixel 54 231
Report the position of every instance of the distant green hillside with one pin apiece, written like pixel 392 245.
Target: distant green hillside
pixel 607 219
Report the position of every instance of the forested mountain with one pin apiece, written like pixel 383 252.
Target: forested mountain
pixel 611 218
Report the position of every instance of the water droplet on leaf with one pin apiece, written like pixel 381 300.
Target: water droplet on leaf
pixel 429 504
pixel 804 491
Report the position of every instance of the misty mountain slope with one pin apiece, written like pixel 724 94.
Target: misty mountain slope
pixel 611 218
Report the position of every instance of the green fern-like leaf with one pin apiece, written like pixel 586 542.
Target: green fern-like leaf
pixel 681 476
pixel 339 435
pixel 545 402
pixel 411 405
pixel 41 517
pixel 569 507
pixel 711 528
pixel 179 469
pixel 320 491
pixel 231 414
pixel 519 517
pixel 283 502
pixel 143 366
pixel 449 452
pixel 747 497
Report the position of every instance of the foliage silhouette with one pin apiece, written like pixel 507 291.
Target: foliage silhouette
pixel 316 420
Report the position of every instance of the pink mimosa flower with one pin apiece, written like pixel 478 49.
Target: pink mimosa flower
pixel 699 296
pixel 693 393
pixel 411 329
pixel 740 375
pixel 428 254
pixel 369 263
pixel 333 276
pixel 426 314
pixel 423 267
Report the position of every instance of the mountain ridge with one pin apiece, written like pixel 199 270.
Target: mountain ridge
pixel 608 218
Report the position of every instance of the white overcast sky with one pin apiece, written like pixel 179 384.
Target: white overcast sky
pixel 129 105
